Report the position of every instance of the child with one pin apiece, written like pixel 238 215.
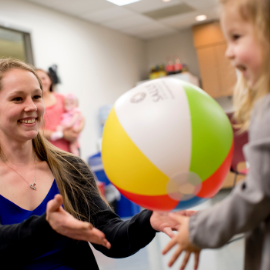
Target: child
pixel 247 209
pixel 70 119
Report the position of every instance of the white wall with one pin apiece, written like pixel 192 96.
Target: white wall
pixel 95 63
pixel 180 44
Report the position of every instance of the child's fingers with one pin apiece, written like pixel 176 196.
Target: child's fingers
pixel 196 260
pixel 171 244
pixel 185 260
pixel 175 256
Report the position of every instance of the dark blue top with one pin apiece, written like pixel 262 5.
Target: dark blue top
pixel 11 213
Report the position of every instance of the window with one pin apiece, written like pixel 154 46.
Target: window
pixel 15 44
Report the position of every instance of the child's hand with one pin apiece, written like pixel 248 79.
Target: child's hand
pixel 182 239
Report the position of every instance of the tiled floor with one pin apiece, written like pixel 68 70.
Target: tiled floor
pixel 229 257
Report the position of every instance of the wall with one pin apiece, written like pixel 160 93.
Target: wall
pixel 180 44
pixel 96 63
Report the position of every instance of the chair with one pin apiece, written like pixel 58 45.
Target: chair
pixel 238 156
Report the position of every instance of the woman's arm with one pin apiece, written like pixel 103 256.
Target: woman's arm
pixel 26 239
pixel 125 237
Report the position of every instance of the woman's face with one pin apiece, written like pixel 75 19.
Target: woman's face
pixel 45 79
pixel 244 50
pixel 21 106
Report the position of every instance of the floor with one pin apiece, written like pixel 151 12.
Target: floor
pixel 229 257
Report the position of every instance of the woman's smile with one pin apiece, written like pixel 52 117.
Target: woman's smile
pixel 29 121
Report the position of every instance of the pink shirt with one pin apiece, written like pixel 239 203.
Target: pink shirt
pixel 68 116
pixel 52 116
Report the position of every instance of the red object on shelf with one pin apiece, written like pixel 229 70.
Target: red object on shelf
pixel 169 67
pixel 177 65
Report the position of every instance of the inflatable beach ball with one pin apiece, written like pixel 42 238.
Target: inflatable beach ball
pixel 167 144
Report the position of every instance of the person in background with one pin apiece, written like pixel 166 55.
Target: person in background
pixel 71 118
pixel 54 104
pixel 246 26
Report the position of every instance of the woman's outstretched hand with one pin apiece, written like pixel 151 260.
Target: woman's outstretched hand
pixel 182 239
pixel 64 223
pixel 160 221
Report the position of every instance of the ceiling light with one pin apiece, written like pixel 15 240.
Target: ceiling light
pixel 122 2
pixel 201 18
pixel 166 0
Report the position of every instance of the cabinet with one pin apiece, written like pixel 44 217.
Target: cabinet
pixel 217 74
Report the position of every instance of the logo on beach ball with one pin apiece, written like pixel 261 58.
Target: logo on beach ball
pixel 167 144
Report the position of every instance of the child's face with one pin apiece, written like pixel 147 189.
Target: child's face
pixel 244 50
pixel 70 104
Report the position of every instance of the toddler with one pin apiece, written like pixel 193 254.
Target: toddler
pixel 70 119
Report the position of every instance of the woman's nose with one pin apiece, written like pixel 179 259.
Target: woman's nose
pixel 30 106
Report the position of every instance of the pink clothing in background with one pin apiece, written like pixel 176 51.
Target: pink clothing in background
pixel 53 115
pixel 68 116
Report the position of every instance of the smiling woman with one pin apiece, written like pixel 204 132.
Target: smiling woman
pixel 48 197
pixel 21 100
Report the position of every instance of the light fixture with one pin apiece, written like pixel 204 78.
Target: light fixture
pixel 200 18
pixel 166 0
pixel 122 2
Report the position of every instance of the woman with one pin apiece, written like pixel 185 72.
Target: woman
pixel 54 104
pixel 36 232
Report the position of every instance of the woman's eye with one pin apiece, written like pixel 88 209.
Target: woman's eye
pixel 17 99
pixel 37 97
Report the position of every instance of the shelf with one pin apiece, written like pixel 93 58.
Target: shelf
pixel 185 76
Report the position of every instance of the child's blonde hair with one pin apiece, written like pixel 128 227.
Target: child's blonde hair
pixel 258 13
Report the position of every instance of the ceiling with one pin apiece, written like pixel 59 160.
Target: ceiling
pixel 146 19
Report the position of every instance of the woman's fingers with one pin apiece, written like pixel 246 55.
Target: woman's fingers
pixel 64 223
pixel 169 246
pixel 98 237
pixel 54 204
pixel 175 256
pixel 178 218
pixel 185 260
pixel 86 232
pixel 169 232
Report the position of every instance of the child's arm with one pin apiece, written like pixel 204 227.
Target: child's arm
pixel 249 203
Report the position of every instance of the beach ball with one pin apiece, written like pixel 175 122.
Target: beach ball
pixel 167 144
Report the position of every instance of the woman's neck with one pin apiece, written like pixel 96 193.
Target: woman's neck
pixel 16 153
